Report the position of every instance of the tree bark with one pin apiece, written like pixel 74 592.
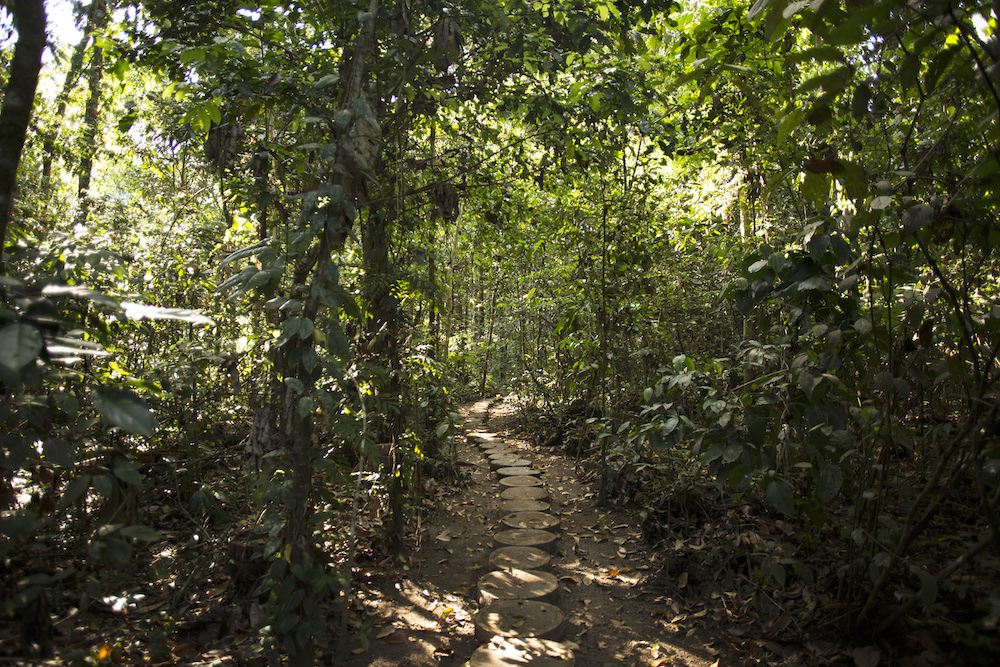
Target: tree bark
pixel 18 99
pixel 91 118
pixel 72 76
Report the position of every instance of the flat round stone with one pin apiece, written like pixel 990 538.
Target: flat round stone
pixel 527 537
pixel 511 471
pixel 521 558
pixel 501 454
pixel 520 618
pixel 523 480
pixel 481 437
pixel 511 462
pixel 536 520
pixel 524 493
pixel 517 585
pixel 524 505
pixel 522 652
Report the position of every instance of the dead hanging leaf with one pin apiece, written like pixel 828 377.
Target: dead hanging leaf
pixel 867 656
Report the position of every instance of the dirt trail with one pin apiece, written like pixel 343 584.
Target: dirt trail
pixel 618 608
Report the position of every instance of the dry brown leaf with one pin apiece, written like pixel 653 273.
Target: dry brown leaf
pixel 682 580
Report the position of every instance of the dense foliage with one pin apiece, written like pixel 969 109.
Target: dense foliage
pixel 259 252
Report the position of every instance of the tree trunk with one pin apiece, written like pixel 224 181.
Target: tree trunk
pixel 18 99
pixel 491 314
pixel 91 118
pixel 62 100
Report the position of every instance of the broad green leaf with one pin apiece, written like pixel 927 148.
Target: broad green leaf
pixel 74 490
pixel 854 180
pixel 779 495
pixel 756 9
pixel 928 585
pixel 917 217
pixel 816 188
pixel 80 292
pixel 733 452
pixel 829 483
pixel 143 311
pixel 128 473
pixel 124 409
pixel 881 202
pixel 60 452
pixel 19 346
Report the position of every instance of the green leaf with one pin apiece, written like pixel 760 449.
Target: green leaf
pixel 917 217
pixel 124 409
pixel 829 483
pixel 128 473
pixel 928 585
pixel 19 345
pixel 854 179
pixel 779 495
pixel 733 452
pixel 74 490
pixel 757 8
pixel 789 123
pixel 60 452
pixel 119 552
pixel 816 188
pixel 143 311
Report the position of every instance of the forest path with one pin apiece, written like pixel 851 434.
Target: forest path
pixel 612 592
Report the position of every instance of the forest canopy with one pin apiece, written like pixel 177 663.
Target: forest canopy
pixel 256 255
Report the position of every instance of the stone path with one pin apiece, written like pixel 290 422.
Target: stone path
pixel 476 589
pixel 518 620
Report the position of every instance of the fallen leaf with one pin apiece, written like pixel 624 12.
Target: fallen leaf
pixel 385 632
pixel 866 656
pixel 682 580
pixel 616 623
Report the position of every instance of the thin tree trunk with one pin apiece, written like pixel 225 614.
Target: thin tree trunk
pixel 491 314
pixel 18 99
pixel 91 118
pixel 62 100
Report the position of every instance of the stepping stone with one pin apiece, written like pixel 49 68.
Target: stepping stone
pixel 479 437
pixel 520 618
pixel 524 493
pixel 500 453
pixel 513 471
pixel 523 480
pixel 510 462
pixel 525 505
pixel 521 558
pixel 536 520
pixel 517 585
pixel 527 537
pixel 522 652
